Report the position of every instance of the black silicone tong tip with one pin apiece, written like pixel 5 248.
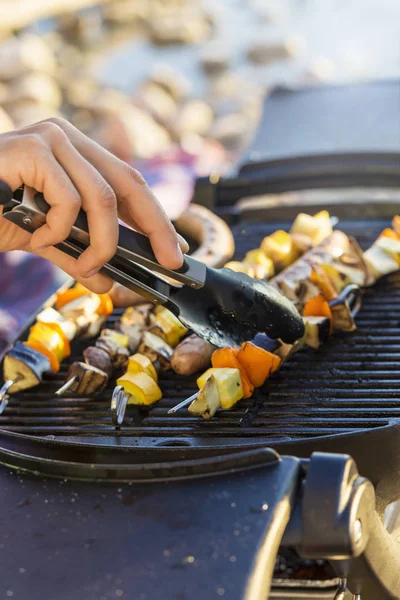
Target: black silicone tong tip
pixel 257 304
pixel 232 307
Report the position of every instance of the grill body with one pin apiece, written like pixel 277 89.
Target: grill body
pixel 343 398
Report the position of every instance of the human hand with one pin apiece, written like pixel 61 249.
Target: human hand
pixel 73 172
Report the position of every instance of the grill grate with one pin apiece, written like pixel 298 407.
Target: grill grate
pixel 351 384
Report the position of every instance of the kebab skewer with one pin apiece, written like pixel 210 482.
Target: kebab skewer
pixel 281 249
pixel 163 330
pixel 277 251
pixel 139 384
pixel 91 376
pixel 341 268
pixel 80 313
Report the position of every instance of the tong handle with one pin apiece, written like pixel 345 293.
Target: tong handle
pixel 136 247
pixel 130 240
pixel 141 281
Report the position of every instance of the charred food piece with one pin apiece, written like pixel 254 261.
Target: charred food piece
pixel 134 334
pixel 88 380
pixel 89 327
pixel 317 331
pixel 132 316
pixel 96 357
pixel 116 336
pixel 208 401
pixel 117 353
pixel 156 349
pixel 25 366
pixel 229 385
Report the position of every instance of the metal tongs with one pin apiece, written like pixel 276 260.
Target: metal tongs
pixel 221 306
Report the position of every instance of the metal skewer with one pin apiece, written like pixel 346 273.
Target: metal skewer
pixel 66 386
pixel 119 402
pixel 182 404
pixel 4 396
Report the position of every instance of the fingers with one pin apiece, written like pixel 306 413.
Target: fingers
pixel 136 202
pixel 63 196
pixel 100 205
pixel 183 244
pixel 98 283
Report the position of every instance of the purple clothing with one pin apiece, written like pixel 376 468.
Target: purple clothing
pixel 26 281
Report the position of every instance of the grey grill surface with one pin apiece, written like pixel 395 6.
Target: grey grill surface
pixel 353 383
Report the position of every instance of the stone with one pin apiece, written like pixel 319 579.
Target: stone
pixel 157 101
pixel 85 28
pixel 79 91
pixel 25 113
pixel 35 87
pixel 214 58
pixel 196 117
pixel 171 80
pixel 24 54
pixel 273 49
pixel 179 26
pixel 230 130
pixel 131 133
pixel 108 101
pixel 121 12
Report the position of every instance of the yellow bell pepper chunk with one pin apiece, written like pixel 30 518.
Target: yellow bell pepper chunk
pixel 229 385
pixel 170 326
pixel 240 267
pixel 142 389
pixel 280 249
pixel 338 279
pixel 139 363
pixel 48 336
pixel 257 258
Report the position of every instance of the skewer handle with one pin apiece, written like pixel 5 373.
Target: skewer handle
pixel 4 395
pixel 186 402
pixel 119 402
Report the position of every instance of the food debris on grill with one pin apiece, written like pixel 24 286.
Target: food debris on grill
pixel 289 565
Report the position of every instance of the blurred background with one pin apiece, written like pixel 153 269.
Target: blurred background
pixel 173 87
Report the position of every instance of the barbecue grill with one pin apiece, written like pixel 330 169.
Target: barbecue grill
pixel 341 400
